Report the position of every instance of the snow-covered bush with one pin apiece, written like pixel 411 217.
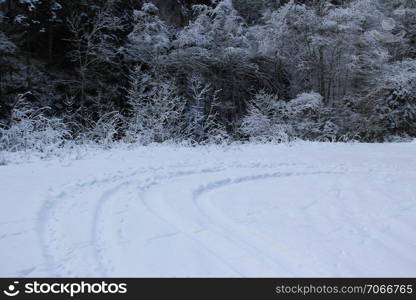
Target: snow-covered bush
pixel 104 130
pixel 304 113
pixel 159 113
pixel 265 120
pixel 256 124
pixel 272 119
pixel 31 129
pixel 3 160
pixel 307 104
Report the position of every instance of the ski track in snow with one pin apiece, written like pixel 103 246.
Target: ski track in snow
pixel 232 218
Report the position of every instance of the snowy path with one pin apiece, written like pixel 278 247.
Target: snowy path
pixel 241 211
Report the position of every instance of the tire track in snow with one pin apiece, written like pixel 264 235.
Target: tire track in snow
pixel 60 257
pixel 60 254
pixel 259 243
pixel 97 234
pixel 64 257
pixel 100 206
pixel 212 238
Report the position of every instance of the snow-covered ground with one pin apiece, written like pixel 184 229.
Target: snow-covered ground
pixel 306 209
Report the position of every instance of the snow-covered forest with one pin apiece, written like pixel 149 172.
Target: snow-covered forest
pixel 205 71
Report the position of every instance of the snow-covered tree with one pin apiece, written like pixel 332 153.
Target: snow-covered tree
pixel 94 50
pixel 204 124
pixel 262 69
pixel 217 44
pixel 157 112
pixel 394 101
pixel 7 49
pixel 324 48
pixel 150 38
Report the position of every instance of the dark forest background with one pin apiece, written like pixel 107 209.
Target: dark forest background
pixel 206 71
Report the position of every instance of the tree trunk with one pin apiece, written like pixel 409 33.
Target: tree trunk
pixel 50 43
pixel 322 75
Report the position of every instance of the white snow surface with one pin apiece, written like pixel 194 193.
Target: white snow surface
pixel 304 209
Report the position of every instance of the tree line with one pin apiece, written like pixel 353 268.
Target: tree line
pixel 206 71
